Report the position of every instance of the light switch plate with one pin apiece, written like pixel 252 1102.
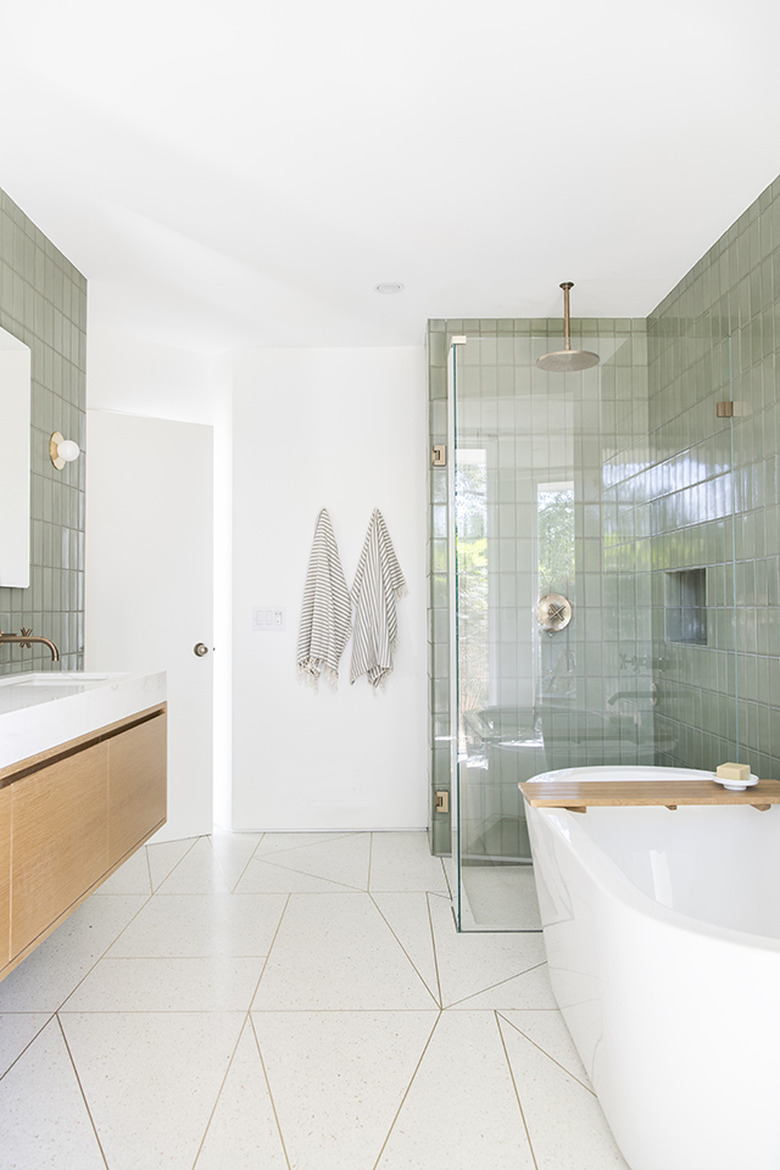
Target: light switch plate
pixel 268 617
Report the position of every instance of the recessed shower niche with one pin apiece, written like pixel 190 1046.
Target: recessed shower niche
pixel 686 606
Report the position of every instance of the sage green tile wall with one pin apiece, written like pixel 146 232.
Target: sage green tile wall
pixel 43 302
pixel 712 495
pixel 605 439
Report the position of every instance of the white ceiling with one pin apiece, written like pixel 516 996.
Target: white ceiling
pixel 243 173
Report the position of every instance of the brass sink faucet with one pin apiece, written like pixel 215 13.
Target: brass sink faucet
pixel 26 639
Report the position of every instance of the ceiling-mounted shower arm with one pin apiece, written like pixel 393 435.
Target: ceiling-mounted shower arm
pixel 567 359
pixel 567 284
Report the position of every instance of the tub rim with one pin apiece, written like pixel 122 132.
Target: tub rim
pixel 613 882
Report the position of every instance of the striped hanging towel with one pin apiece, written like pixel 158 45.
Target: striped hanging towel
pixel 379 582
pixel 325 616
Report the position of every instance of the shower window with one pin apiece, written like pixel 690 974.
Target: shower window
pixel 555 526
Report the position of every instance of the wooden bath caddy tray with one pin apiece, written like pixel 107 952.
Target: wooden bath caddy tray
pixel 578 797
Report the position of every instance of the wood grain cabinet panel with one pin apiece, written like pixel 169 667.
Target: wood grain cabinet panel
pixel 60 840
pixel 5 875
pixel 136 785
pixel 69 817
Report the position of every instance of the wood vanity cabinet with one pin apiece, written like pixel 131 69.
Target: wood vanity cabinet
pixel 69 818
pixel 58 840
pixel 136 786
pixel 5 875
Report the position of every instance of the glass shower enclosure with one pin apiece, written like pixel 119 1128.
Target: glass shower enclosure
pixel 551 593
pixel 604 552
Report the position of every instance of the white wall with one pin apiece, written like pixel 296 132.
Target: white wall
pixel 133 376
pixel 343 429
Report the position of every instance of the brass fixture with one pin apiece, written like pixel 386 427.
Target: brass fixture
pixel 553 612
pixel 26 639
pixel 562 361
pixel 62 450
pixel 439 455
pixel 724 409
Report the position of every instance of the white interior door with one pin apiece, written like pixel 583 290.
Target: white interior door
pixel 149 584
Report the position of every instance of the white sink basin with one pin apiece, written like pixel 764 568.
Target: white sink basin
pixel 44 709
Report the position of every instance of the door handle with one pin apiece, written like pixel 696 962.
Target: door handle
pixel 200 649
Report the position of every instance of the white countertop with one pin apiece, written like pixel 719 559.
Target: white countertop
pixel 42 710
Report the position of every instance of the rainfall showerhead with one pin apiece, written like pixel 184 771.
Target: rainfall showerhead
pixel 567 360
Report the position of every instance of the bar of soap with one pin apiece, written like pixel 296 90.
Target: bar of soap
pixel 733 772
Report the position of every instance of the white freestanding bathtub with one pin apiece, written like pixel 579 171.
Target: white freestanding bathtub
pixel 662 932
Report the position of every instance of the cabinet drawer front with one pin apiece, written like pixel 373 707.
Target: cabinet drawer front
pixel 5 875
pixel 60 840
pixel 136 785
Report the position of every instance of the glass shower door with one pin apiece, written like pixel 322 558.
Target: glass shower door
pixel 552 634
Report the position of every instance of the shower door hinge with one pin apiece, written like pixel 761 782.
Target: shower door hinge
pixel 439 455
pixel 724 410
pixel 442 804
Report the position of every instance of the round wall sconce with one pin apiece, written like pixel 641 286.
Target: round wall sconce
pixel 62 450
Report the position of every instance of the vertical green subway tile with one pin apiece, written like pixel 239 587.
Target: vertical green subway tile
pixel 37 306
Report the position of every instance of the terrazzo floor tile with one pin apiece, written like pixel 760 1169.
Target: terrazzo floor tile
pixel 17 1030
pixel 243 1133
pixel 338 1079
pixel 408 917
pixel 403 862
pixel 503 897
pixel 132 877
pixel 44 1121
pixel 461 1111
pixel 50 973
pixel 151 1080
pixel 233 851
pixel 449 865
pixel 202 924
pixel 341 859
pixel 342 987
pixel 214 983
pixel 335 952
pixel 548 1031
pixel 529 991
pixel 198 872
pixel 262 877
pixel 472 963
pixel 562 1116
pixel 163 857
pixel 284 842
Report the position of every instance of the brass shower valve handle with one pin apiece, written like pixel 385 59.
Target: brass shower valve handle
pixel 554 612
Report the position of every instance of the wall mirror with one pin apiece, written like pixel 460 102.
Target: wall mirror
pixel 15 462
